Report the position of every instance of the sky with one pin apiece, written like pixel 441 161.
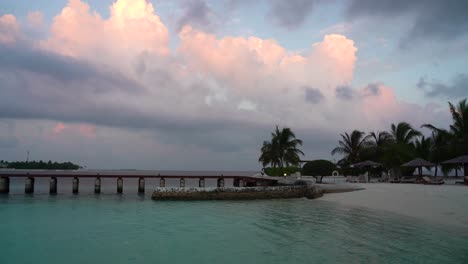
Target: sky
pixel 199 85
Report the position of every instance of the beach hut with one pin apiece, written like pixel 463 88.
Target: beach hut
pixel 462 160
pixel 419 163
pixel 366 164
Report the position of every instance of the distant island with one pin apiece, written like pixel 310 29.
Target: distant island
pixel 38 165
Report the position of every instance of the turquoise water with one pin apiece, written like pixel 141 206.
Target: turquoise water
pixel 128 228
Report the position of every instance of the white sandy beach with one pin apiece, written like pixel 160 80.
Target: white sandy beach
pixel 444 204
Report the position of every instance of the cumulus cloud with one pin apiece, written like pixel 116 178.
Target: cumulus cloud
pixel 207 90
pixel 9 29
pixel 457 89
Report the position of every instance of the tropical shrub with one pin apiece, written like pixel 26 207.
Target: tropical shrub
pixel 318 169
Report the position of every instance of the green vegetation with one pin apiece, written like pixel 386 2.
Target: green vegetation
pixel 282 151
pixel 318 169
pixel 277 171
pixel 40 165
pixel 404 143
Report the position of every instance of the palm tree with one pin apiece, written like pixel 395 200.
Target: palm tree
pixel 459 128
pixel 350 146
pixel 403 133
pixel 424 147
pixel 283 149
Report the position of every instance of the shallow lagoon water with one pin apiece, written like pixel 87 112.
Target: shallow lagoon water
pixel 129 228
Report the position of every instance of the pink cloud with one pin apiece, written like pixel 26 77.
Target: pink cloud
pixel 87 130
pixel 132 28
pixel 9 28
pixel 59 128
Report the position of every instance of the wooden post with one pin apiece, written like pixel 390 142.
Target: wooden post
pixel 221 182
pixel 162 182
pixel 76 183
pixel 29 185
pixel 241 182
pixel 182 182
pixel 141 185
pixel 97 185
pixel 53 185
pixel 465 168
pixel 119 185
pixel 4 185
pixel 236 182
pixel 201 183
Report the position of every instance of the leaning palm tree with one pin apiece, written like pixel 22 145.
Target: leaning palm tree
pixel 282 150
pixel 404 133
pixel 459 128
pixel 350 146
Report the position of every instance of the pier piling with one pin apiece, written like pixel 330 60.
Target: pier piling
pixel 119 185
pixel 53 185
pixel 201 182
pixel 4 185
pixel 141 185
pixel 220 183
pixel 235 182
pixel 162 182
pixel 97 185
pixel 182 182
pixel 29 185
pixel 241 183
pixel 76 183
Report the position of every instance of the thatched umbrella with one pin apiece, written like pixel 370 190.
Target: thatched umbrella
pixel 419 163
pixel 367 164
pixel 462 160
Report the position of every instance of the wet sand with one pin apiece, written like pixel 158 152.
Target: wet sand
pixel 443 204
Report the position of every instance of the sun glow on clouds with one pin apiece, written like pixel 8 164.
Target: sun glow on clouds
pixel 247 80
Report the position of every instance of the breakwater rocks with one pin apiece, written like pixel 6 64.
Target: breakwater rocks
pixel 237 193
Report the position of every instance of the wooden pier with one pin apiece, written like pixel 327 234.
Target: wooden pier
pixel 240 179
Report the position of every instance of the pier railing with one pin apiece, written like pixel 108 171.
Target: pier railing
pixel 31 175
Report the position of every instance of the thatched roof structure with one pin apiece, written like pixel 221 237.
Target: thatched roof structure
pixel 458 160
pixel 418 163
pixel 367 163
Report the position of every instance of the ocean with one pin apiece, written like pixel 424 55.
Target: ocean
pixel 132 228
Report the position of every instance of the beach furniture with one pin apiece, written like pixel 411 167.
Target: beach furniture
pixel 465 181
pixel 408 180
pixel 384 177
pixel 366 164
pixel 351 179
pixel 427 180
pixel 362 178
pixel 394 180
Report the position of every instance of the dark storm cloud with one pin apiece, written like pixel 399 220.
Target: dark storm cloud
pixel 313 95
pixel 344 92
pixel 40 86
pixel 430 18
pixel 458 88
pixel 371 89
pixel 292 13
pixel 196 13
pixel 61 68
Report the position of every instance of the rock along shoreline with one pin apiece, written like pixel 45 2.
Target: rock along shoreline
pixel 244 193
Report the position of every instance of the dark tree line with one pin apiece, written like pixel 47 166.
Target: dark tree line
pixel 40 165
pixel 403 143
